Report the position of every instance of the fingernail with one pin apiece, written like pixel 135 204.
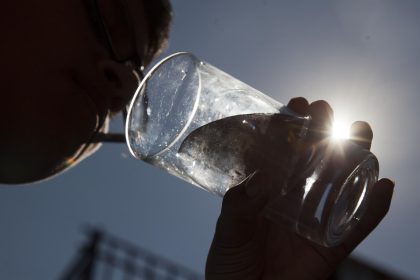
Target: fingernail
pixel 321 112
pixel 388 181
pixel 361 134
pixel 299 105
pixel 393 181
pixel 362 129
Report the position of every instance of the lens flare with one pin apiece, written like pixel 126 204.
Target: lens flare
pixel 340 130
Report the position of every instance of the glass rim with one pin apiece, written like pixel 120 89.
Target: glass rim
pixel 137 95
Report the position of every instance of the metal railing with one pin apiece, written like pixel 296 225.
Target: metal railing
pixel 106 257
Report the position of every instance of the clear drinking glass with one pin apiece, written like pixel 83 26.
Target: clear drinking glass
pixel 212 130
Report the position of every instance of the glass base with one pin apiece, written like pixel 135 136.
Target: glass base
pixel 350 203
pixel 328 193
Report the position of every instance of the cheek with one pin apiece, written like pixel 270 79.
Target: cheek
pixel 74 121
pixel 44 120
pixel 45 132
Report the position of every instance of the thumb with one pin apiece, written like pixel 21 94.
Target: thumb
pixel 246 200
pixel 242 210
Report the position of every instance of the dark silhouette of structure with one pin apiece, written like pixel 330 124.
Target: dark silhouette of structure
pixel 105 257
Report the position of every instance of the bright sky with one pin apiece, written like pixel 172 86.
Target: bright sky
pixel 361 55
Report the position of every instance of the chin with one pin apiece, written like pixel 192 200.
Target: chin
pixel 69 163
pixel 28 174
pixel 50 145
pixel 83 152
pixel 36 170
pixel 36 162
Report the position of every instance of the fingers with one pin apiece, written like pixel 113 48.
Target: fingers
pixel 322 115
pixel 361 133
pixel 300 105
pixel 378 206
pixel 320 111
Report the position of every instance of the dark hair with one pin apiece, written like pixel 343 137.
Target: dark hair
pixel 159 16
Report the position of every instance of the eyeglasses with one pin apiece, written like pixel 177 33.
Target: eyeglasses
pixel 125 37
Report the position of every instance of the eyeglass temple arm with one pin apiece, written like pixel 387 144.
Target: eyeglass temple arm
pixel 111 137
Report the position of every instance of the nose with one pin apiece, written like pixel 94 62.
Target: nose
pixel 122 80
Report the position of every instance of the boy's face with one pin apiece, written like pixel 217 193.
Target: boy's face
pixel 57 82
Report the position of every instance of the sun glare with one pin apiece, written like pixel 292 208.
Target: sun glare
pixel 340 130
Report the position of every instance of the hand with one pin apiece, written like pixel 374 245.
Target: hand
pixel 246 245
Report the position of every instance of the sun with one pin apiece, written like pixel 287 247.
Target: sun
pixel 340 130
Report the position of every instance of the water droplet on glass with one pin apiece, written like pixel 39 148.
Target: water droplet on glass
pixel 184 74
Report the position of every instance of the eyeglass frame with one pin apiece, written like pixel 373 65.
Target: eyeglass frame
pixel 134 61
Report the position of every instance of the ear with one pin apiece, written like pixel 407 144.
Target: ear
pixel 123 80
